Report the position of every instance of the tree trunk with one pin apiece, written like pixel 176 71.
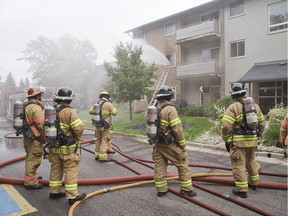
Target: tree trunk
pixel 130 108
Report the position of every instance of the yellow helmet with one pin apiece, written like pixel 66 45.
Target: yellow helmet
pixel 104 94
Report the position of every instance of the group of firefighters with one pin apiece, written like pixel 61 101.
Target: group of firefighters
pixel 240 137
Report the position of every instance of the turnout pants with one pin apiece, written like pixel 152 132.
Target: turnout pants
pixel 34 153
pixel 162 154
pixel 64 165
pixel 244 167
pixel 103 142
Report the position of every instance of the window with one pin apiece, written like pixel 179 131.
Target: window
pixel 272 93
pixel 278 16
pixel 138 35
pixel 171 58
pixel 236 8
pixel 174 96
pixel 142 97
pixel 210 54
pixel 169 29
pixel 237 49
pixel 210 16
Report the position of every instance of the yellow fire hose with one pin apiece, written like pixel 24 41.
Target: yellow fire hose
pixel 119 187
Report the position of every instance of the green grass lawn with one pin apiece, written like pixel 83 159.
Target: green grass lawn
pixel 193 126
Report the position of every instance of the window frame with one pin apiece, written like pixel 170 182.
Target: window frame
pixel 174 96
pixel 278 24
pixel 237 42
pixel 139 35
pixel 174 60
pixel 209 14
pixel 236 15
pixel 169 24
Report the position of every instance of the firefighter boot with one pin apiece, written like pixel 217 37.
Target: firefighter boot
pixel 34 187
pixel 56 195
pixel 111 151
pixel 105 160
pixel 161 194
pixel 240 194
pixel 253 187
pixel 189 193
pixel 78 198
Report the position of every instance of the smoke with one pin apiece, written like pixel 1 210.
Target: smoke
pixel 150 54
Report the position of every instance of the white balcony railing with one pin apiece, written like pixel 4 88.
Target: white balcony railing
pixel 195 31
pixel 198 69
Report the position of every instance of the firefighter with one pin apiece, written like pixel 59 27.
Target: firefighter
pixel 65 157
pixel 170 146
pixel 241 142
pixel 283 135
pixel 103 130
pixel 34 136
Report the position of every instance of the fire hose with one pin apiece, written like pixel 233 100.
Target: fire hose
pixel 202 177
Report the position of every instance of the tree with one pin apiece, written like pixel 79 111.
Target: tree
pixel 56 63
pixel 27 83
pixel 131 77
pixel 10 84
pixel 21 85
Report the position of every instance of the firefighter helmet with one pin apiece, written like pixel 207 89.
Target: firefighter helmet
pixel 64 94
pixel 34 91
pixel 165 91
pixel 104 94
pixel 238 88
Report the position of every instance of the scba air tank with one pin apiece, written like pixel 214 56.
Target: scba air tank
pixel 250 112
pixel 18 115
pixel 96 116
pixel 151 126
pixel 51 117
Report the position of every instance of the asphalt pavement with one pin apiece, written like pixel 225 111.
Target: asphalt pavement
pixel 133 160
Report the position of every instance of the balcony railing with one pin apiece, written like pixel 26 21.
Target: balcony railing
pixel 196 31
pixel 198 69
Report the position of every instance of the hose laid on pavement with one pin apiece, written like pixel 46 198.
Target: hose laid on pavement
pixel 114 188
pixel 233 199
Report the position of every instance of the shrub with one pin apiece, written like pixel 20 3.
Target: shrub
pixel 194 110
pixel 272 133
pixel 217 109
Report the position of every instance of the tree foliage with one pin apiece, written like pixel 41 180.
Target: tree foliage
pixel 10 84
pixel 131 77
pixel 59 62
pixel 21 85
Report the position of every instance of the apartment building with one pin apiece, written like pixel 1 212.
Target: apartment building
pixel 221 42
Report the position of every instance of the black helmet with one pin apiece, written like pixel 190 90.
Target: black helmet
pixel 238 89
pixel 64 94
pixel 104 94
pixel 165 91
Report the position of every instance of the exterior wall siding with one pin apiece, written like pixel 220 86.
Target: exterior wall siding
pixel 252 26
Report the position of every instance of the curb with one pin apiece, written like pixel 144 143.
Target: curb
pixel 218 147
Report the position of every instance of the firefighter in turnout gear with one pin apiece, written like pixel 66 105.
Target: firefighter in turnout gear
pixel 64 156
pixel 241 141
pixel 283 135
pixel 103 130
pixel 34 136
pixel 170 146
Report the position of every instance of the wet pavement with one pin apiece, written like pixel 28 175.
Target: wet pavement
pixel 142 200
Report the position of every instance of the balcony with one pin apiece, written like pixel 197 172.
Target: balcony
pixel 197 31
pixel 198 70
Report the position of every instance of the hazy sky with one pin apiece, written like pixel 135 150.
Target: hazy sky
pixel 103 22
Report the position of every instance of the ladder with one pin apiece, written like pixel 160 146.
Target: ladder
pixel 160 83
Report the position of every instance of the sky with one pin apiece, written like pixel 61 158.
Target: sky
pixel 103 22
